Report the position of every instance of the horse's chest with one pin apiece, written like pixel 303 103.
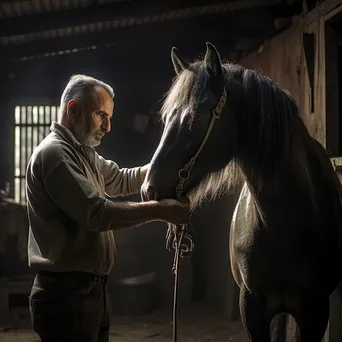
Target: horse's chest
pixel 245 223
pixel 275 249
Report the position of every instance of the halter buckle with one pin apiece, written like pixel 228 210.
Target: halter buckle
pixel 184 174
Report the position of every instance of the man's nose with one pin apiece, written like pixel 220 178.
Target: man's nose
pixel 106 125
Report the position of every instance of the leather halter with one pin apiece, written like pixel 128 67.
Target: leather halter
pixel 184 173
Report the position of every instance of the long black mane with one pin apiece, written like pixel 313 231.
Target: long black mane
pixel 274 132
pixel 271 133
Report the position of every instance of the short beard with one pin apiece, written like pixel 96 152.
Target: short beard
pixel 84 132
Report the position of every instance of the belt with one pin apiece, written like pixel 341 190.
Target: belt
pixel 95 278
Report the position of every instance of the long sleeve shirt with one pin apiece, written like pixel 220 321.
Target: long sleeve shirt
pixel 69 214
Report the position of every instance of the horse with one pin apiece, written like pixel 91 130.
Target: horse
pixel 226 125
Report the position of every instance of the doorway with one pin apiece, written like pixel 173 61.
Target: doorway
pixel 333 74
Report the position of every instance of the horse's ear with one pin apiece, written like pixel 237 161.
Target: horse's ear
pixel 212 60
pixel 178 63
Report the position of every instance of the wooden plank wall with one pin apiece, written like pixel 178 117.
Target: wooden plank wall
pixel 283 60
pixel 280 60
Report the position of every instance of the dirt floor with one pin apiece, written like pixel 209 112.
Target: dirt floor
pixel 197 324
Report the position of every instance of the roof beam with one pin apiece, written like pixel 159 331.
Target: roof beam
pixel 106 58
pixel 229 27
pixel 110 12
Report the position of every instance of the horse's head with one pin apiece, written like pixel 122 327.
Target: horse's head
pixel 199 124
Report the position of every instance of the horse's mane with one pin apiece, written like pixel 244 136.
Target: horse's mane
pixel 271 131
pixel 186 89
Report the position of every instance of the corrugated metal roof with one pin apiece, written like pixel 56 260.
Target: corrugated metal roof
pixel 171 12
pixel 30 7
pixel 183 13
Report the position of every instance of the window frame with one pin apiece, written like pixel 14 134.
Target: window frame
pixel 33 118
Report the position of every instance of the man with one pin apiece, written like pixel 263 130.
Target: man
pixel 71 241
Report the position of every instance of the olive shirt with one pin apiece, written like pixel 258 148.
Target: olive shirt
pixel 69 216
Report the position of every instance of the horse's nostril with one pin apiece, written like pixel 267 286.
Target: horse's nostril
pixel 150 193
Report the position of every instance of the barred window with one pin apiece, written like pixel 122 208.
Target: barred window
pixel 32 125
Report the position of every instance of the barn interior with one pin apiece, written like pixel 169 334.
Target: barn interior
pixel 127 44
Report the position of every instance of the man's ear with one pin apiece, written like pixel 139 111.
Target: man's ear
pixel 72 109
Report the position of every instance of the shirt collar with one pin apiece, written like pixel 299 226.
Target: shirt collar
pixel 67 135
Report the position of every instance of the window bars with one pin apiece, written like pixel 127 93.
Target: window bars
pixel 31 126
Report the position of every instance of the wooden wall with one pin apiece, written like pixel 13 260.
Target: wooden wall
pixel 285 61
pixel 280 59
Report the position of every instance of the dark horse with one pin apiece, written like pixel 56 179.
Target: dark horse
pixel 285 238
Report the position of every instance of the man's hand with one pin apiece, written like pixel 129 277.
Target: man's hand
pixel 173 211
pixel 131 214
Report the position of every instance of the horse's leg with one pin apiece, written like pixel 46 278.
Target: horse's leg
pixel 313 318
pixel 253 317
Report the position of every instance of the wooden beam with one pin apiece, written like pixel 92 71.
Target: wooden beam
pixel 309 42
pixel 220 27
pixel 116 60
pixel 111 12
pixel 320 10
pixel 8 2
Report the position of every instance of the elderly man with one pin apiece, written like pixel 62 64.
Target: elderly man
pixel 71 240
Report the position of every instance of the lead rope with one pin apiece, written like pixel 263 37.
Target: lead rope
pixel 175 239
pixel 176 234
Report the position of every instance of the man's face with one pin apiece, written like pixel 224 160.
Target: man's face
pixel 95 122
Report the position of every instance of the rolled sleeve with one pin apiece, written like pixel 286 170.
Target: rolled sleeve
pixel 120 181
pixel 72 192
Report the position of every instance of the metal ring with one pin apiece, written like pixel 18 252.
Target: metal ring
pixel 187 174
pixel 216 114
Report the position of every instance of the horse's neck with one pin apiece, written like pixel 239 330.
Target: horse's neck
pixel 289 175
pixel 292 176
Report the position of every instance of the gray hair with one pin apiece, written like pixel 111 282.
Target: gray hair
pixel 81 87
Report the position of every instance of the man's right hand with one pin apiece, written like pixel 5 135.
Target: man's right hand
pixel 174 211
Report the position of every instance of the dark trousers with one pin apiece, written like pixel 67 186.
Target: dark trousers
pixel 70 307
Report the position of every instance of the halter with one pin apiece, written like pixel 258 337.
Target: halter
pixel 184 173
pixel 176 234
